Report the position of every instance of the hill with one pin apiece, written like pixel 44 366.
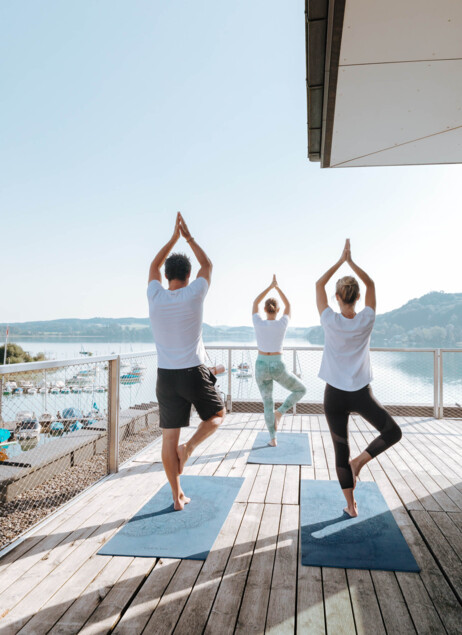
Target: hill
pixel 434 320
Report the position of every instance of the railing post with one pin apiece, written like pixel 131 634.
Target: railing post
pixel 436 383
pixel 294 370
pixel 113 416
pixel 441 401
pixel 229 399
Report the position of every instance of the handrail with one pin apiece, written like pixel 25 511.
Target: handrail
pixel 6 369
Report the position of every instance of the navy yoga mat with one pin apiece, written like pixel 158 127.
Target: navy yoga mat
pixel 159 531
pixel 330 538
pixel 293 448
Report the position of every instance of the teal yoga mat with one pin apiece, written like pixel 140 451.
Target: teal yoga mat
pixel 330 538
pixel 159 531
pixel 293 448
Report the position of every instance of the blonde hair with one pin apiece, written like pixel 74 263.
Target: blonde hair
pixel 347 288
pixel 271 305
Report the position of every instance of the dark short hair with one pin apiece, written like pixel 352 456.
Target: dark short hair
pixel 177 267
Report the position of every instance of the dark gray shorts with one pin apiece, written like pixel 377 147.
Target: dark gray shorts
pixel 178 389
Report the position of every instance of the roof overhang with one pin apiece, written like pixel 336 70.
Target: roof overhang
pixel 384 82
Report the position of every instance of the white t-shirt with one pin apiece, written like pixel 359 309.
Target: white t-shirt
pixel 270 333
pixel 176 321
pixel 346 361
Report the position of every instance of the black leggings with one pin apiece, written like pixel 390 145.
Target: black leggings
pixel 338 405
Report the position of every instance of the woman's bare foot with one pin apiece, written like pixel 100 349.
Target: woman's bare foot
pixel 183 456
pixel 273 443
pixel 354 472
pixel 277 418
pixel 351 511
pixel 180 502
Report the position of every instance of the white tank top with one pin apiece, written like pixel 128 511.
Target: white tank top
pixel 346 361
pixel 270 333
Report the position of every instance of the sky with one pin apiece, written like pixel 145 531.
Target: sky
pixel 116 114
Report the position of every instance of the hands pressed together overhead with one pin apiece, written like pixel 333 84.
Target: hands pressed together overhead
pixel 181 229
pixel 346 253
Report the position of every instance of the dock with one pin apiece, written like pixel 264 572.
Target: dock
pixel 252 580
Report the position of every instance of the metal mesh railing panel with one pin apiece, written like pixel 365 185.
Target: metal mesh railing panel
pixel 452 383
pixel 139 413
pixel 53 440
pixel 403 380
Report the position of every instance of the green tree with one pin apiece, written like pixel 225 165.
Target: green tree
pixel 17 355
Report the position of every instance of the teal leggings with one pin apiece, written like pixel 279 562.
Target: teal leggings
pixel 269 368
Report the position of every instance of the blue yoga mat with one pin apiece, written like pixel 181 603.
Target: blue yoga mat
pixel 293 448
pixel 159 531
pixel 330 538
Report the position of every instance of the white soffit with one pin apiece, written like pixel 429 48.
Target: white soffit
pixel 376 31
pixel 399 82
pixel 447 144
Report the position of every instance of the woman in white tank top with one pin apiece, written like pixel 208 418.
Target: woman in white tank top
pixel 346 369
pixel 269 366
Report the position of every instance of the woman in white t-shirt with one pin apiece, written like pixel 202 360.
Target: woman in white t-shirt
pixel 346 369
pixel 269 366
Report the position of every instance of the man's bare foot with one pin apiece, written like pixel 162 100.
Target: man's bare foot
pixel 180 502
pixel 277 418
pixel 273 443
pixel 351 511
pixel 183 456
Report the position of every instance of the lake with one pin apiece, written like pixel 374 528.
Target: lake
pixel 399 378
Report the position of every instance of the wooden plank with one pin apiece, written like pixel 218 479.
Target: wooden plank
pixel 393 608
pixel 282 602
pixel 225 608
pixel 73 618
pixel 108 612
pixel 148 597
pixel 252 615
pixel 448 559
pixel 260 486
pixel 428 596
pixel 59 603
pixel 28 594
pixel 195 614
pixel 237 450
pixel 166 614
pixel 450 526
pixel 276 485
pixel 58 529
pixel 310 602
pixel 291 492
pixel 339 614
pixel 367 616
pixel 249 473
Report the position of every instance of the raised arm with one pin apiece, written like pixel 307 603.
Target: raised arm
pixel 204 261
pixel 284 300
pixel 261 295
pixel 157 263
pixel 321 295
pixel 370 299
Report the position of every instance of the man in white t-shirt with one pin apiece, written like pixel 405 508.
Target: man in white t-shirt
pixel 182 377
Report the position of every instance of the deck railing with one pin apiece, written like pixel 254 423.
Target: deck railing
pixel 98 412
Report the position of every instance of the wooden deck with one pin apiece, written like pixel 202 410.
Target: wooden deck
pixel 252 581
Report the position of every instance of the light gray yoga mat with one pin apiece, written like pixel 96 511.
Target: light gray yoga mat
pixel 159 531
pixel 293 448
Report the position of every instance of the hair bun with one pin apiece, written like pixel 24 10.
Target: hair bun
pixel 271 305
pixel 347 288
